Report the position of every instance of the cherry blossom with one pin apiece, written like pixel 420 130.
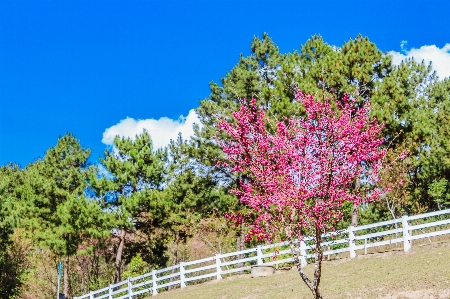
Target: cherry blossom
pixel 298 174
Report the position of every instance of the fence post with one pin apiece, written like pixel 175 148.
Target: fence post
pixel 406 235
pixel 129 288
pixel 182 276
pixel 351 242
pixel 259 255
pixel 154 284
pixel 218 267
pixel 110 292
pixel 303 260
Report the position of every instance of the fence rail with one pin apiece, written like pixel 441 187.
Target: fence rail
pixel 402 230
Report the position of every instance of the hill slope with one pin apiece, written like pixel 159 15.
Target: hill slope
pixel 424 272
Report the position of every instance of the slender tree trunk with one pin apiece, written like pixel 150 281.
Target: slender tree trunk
pixel 242 236
pixel 318 266
pixel 174 260
pixel 312 285
pixel 240 245
pixel 175 251
pixel 117 275
pixel 355 207
pixel 66 277
pixel 298 264
pixel 355 215
pixel 391 209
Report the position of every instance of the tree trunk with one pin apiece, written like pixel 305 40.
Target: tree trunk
pixel 318 265
pixel 355 207
pixel 117 276
pixel 175 251
pixel 174 260
pixel 392 211
pixel 240 246
pixel 312 285
pixel 66 277
pixel 355 215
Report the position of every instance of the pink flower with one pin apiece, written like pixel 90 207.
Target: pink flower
pixel 403 155
pixel 298 177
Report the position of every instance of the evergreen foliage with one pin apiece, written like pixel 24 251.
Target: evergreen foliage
pixel 145 207
pixel 131 191
pixel 53 199
pixel 12 261
pixel 191 194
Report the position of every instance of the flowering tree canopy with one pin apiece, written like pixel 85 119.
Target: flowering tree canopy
pixel 297 175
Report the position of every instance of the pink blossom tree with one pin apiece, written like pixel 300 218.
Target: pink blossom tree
pixel 298 174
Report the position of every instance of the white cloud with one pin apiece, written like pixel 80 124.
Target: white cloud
pixel 439 56
pixel 103 172
pixel 161 130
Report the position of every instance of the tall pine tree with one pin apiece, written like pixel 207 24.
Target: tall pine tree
pixel 58 213
pixel 131 190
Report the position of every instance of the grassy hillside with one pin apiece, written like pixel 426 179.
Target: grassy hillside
pixel 424 272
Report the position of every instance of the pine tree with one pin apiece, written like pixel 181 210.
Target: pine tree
pixel 11 265
pixel 58 213
pixel 191 195
pixel 131 190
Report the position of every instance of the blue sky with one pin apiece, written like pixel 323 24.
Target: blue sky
pixel 85 66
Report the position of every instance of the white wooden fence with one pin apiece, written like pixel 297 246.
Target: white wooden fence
pixel 403 230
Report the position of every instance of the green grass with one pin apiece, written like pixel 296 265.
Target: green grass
pixel 424 272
